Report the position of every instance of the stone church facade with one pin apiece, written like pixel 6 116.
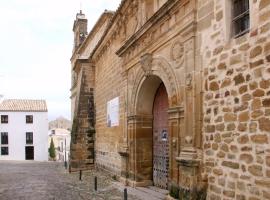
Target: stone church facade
pixel 176 94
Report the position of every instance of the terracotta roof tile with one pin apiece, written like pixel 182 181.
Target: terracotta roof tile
pixel 23 105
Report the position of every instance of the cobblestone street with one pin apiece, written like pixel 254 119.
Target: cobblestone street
pixel 49 181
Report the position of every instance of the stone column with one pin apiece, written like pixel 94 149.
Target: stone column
pixel 131 146
pixel 176 127
pixel 190 157
pixel 140 150
pixel 123 149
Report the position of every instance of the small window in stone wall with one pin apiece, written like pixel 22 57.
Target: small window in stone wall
pixel 240 15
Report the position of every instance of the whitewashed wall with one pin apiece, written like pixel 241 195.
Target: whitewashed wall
pixel 17 129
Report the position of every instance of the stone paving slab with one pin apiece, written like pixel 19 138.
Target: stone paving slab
pixel 30 180
pixel 49 181
pixel 145 193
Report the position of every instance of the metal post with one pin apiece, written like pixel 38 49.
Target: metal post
pixel 95 183
pixel 65 154
pixel 80 175
pixel 125 194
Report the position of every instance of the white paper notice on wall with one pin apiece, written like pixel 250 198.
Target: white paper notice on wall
pixel 113 112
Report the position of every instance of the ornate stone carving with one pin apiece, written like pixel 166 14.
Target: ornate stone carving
pixel 121 30
pixel 128 21
pixel 188 139
pixel 177 54
pixel 189 46
pixel 133 8
pixel 131 25
pixel 189 81
pixel 177 50
pixel 146 62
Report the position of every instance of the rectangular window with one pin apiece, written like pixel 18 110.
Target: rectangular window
pixel 4 119
pixel 29 137
pixel 240 15
pixel 4 151
pixel 29 119
pixel 4 138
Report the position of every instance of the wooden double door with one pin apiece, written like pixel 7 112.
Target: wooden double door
pixel 160 138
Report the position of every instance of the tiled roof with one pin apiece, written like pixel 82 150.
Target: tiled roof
pixel 23 105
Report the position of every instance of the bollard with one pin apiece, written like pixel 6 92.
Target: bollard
pixel 95 183
pixel 80 175
pixel 125 194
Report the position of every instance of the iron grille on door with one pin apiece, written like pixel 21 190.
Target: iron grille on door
pixel 160 139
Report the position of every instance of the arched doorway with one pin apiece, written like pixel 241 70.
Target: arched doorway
pixel 149 134
pixel 151 85
pixel 160 138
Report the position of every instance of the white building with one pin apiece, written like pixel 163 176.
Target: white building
pixel 24 130
pixel 61 139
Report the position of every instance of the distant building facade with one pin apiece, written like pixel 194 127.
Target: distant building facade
pixel 61 123
pixel 175 93
pixel 24 130
pixel 61 139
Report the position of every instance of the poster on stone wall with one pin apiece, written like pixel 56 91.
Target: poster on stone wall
pixel 113 112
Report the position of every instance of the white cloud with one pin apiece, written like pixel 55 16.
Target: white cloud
pixel 36 45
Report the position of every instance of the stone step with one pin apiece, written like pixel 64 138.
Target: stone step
pixel 144 193
pixel 153 192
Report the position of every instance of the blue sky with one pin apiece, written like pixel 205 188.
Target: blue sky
pixel 36 42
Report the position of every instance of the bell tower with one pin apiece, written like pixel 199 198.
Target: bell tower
pixel 79 29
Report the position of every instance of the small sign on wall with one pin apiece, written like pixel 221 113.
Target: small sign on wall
pixel 164 135
pixel 113 112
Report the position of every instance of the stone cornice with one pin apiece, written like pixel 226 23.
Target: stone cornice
pixel 139 117
pixel 113 27
pixel 78 62
pixel 105 15
pixel 161 13
pixel 176 109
